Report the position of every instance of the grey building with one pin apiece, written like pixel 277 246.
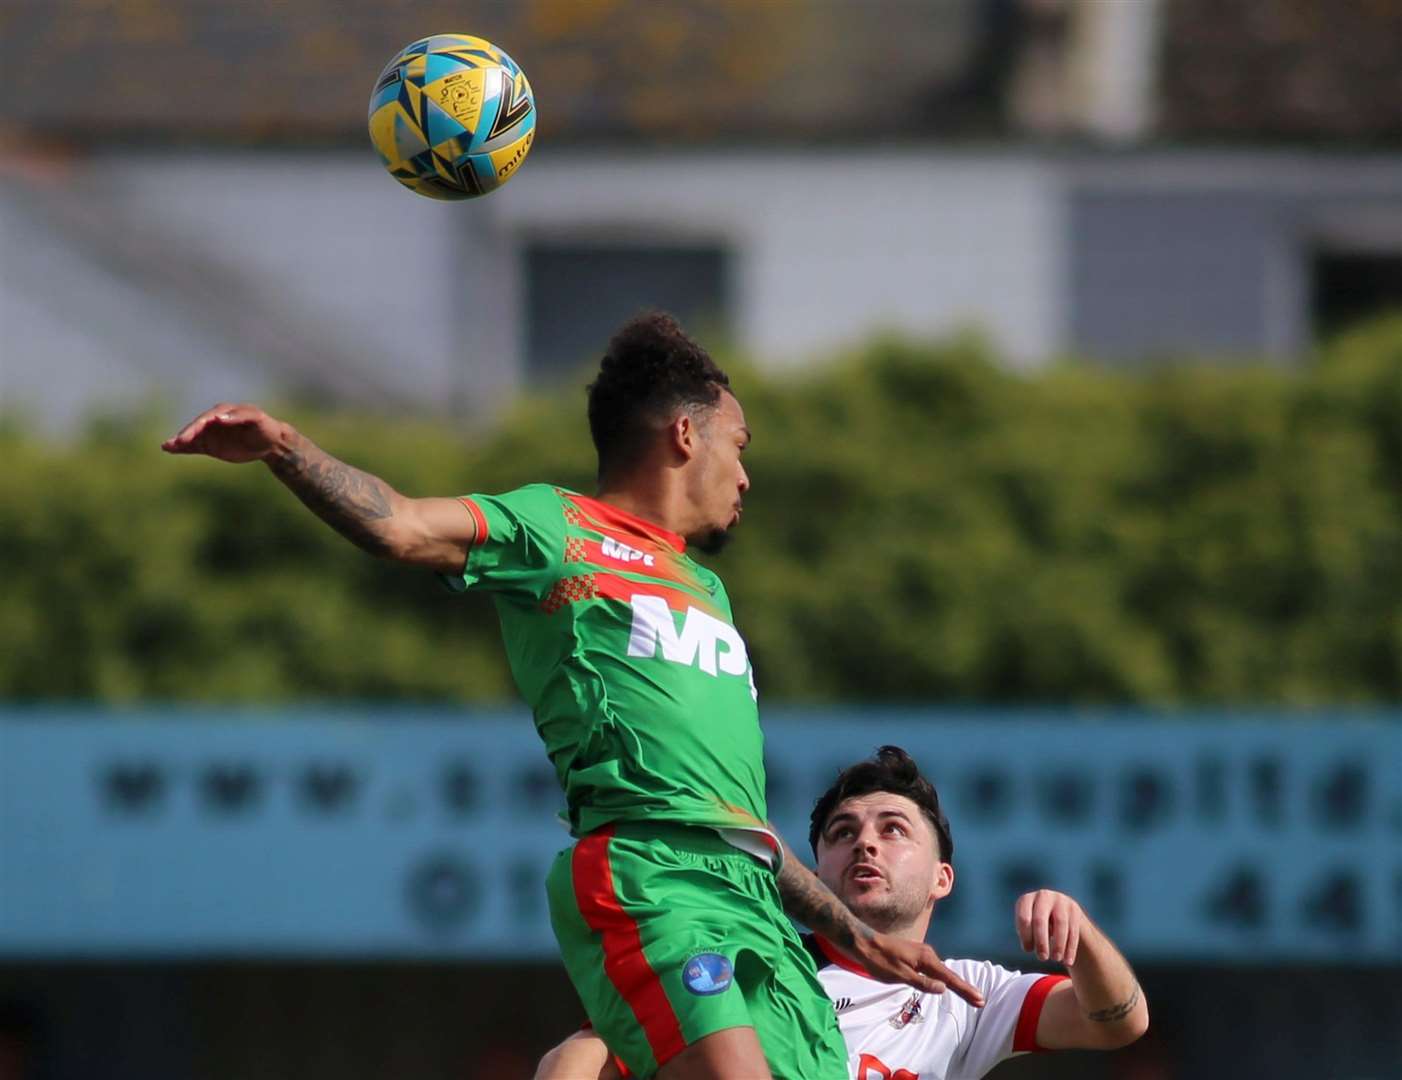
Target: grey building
pixel 197 276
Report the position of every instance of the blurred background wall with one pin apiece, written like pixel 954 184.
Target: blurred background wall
pixel 198 212
pixel 1076 318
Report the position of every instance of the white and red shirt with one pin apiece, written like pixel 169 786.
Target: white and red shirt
pixel 895 1033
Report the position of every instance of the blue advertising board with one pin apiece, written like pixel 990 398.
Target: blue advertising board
pixel 359 834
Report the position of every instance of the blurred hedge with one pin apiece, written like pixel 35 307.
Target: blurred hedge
pixel 924 525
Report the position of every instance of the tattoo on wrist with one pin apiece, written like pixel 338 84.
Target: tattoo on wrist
pixel 345 498
pixel 1116 1012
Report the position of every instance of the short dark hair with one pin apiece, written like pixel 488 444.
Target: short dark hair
pixel 651 370
pixel 890 770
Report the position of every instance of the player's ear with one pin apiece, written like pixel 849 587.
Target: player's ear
pixel 683 435
pixel 943 883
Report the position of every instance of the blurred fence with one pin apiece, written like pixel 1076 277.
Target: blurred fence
pixel 1205 838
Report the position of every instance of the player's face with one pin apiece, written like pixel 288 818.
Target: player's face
pixel 880 855
pixel 719 480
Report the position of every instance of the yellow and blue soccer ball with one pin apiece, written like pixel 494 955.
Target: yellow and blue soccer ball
pixel 452 117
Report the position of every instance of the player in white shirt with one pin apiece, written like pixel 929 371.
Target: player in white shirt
pixel 884 847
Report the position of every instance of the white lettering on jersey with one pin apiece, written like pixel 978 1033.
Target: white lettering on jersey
pixel 704 641
pixel 613 549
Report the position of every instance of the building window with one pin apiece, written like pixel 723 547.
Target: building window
pixel 577 293
pixel 1350 287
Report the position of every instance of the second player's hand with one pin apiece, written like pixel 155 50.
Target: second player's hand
pixel 897 960
pixel 236 433
pixel 1049 924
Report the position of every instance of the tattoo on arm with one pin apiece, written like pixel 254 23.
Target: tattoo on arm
pixel 348 500
pixel 812 903
pixel 1116 1012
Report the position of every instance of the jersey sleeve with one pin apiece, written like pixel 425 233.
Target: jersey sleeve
pixel 1007 1023
pixel 519 542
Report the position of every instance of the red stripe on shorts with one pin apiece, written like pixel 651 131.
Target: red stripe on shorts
pixel 1025 1037
pixel 624 962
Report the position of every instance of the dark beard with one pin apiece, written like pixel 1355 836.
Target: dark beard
pixel 711 542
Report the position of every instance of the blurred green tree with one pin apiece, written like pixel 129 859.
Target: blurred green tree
pixel 925 525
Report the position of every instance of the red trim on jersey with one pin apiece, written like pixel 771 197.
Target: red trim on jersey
pixel 624 961
pixel 645 544
pixel 613 587
pixel 1025 1035
pixel 664 564
pixel 842 961
pixel 479 519
pixel 607 514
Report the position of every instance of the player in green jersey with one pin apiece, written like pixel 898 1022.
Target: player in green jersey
pixel 669 908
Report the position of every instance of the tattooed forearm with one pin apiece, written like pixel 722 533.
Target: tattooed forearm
pixel 350 501
pixel 812 903
pixel 1116 1012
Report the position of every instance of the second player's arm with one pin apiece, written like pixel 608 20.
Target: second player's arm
pixel 887 958
pixel 1102 1007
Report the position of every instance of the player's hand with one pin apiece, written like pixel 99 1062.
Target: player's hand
pixel 234 433
pixel 897 960
pixel 1049 924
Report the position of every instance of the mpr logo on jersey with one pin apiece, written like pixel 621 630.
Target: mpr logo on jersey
pixel 707 973
pixel 613 549
pixel 704 641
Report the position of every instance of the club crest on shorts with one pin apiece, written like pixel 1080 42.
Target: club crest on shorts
pixel 707 973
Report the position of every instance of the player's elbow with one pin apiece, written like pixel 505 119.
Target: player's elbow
pixel 415 538
pixel 1123 1032
pixel 396 545
pixel 1139 1025
pixel 401 539
pixel 376 538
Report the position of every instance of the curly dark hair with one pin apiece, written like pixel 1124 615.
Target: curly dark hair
pixel 650 372
pixel 891 770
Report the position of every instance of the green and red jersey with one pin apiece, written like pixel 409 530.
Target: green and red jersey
pixel 627 653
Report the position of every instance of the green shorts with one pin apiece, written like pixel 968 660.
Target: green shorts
pixel 670 934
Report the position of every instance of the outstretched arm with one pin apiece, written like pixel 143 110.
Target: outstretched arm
pixel 887 958
pixel 434 533
pixel 1102 1007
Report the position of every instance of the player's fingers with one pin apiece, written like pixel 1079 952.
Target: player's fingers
pixel 191 430
pixel 951 980
pixel 1073 941
pixel 1041 914
pixel 235 429
pixel 1060 928
pixel 182 437
pixel 1022 919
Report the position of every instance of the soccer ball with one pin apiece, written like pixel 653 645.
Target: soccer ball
pixel 452 117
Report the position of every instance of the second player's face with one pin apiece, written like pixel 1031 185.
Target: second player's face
pixel 720 480
pixel 879 854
